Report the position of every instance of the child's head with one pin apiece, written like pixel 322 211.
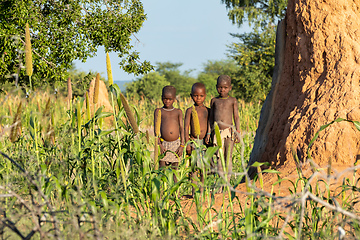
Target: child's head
pixel 223 85
pixel 198 93
pixel 168 96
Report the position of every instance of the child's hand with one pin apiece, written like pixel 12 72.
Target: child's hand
pixel 207 139
pixel 237 137
pixel 188 149
pixel 179 151
pixel 162 149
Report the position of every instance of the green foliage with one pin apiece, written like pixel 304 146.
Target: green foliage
pixel 212 70
pixel 255 51
pixel 80 82
pixel 149 86
pixel 167 73
pixel 64 31
pixel 92 183
pixel 257 12
pixel 255 55
pixel 181 81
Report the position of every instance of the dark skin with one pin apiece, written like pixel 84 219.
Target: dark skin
pixel 224 109
pixel 171 127
pixel 198 96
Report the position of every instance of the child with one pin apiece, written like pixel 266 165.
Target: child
pixel 171 129
pixel 198 95
pixel 224 109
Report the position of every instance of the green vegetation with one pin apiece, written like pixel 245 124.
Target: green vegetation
pixel 254 52
pixel 66 174
pixel 64 31
pixel 69 172
pixel 150 85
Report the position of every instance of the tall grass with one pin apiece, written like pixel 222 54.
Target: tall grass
pixel 54 189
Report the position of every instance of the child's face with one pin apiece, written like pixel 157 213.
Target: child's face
pixel 198 96
pixel 223 88
pixel 168 99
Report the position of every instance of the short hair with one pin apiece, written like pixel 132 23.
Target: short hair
pixel 169 89
pixel 223 78
pixel 198 85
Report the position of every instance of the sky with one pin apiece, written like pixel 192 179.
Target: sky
pixel 191 32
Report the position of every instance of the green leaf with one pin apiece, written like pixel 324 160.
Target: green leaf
pixel 357 125
pixel 104 133
pixel 103 115
pixel 258 164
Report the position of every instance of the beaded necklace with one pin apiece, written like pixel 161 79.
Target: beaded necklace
pixel 168 109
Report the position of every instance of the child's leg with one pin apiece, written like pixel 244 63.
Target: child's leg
pixel 162 164
pixel 174 165
pixel 228 150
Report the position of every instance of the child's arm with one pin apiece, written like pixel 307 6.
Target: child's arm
pixel 157 137
pixel 186 129
pixel 208 131
pixel 181 128
pixel 210 121
pixel 155 120
pixel 236 119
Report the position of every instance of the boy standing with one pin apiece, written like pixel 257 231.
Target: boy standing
pixel 224 109
pixel 171 129
pixel 197 123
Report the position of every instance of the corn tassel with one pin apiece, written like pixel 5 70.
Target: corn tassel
pixel 196 122
pixel 108 69
pixel 129 114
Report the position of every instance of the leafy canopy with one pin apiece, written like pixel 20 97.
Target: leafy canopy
pixel 67 30
pixel 255 55
pixel 168 73
pixel 257 12
pixel 254 52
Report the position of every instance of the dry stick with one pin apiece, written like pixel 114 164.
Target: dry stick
pixel 335 208
pixel 280 236
pixel 11 225
pixel 32 181
pixel 42 58
pixel 302 200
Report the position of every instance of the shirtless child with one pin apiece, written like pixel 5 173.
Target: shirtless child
pixel 224 109
pixel 171 130
pixel 198 95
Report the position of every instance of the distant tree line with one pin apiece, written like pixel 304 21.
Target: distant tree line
pixel 250 62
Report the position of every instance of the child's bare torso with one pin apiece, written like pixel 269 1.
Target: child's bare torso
pixel 223 110
pixel 170 125
pixel 203 115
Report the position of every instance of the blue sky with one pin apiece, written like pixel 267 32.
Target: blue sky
pixel 187 31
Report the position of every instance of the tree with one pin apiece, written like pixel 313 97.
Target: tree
pixel 255 51
pixel 149 86
pixel 256 12
pixel 80 82
pixel 67 30
pixel 212 70
pixel 255 54
pixel 167 73
pixel 181 81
